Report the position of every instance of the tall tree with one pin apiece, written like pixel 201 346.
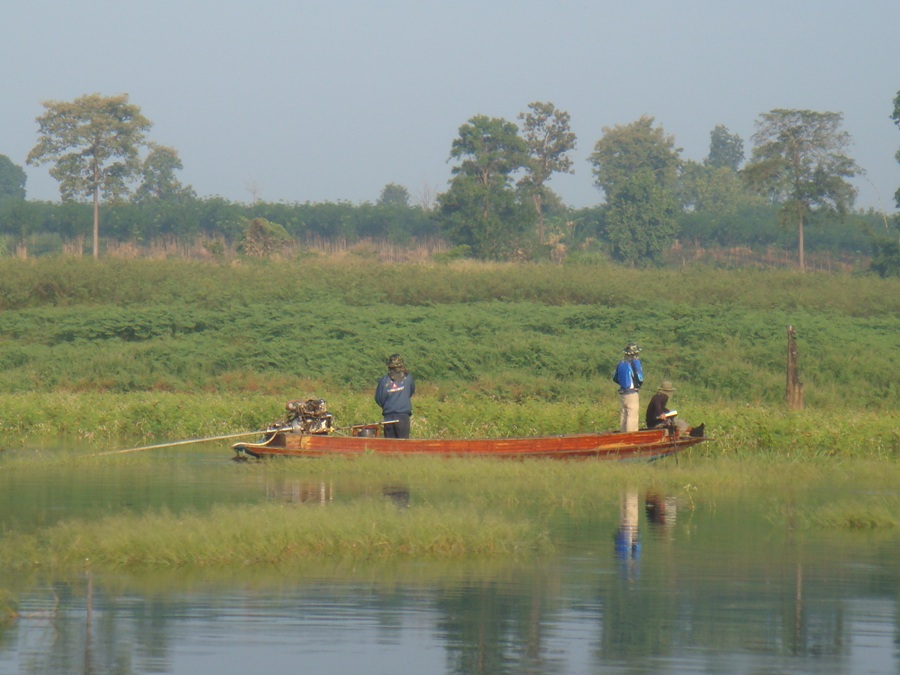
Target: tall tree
pixel 636 165
pixel 626 149
pixel 714 190
pixel 886 249
pixel 896 117
pixel 641 219
pixel 158 179
pixel 726 150
pixel 480 209
pixel 12 179
pixel 549 138
pixel 799 160
pixel 394 194
pixel 94 145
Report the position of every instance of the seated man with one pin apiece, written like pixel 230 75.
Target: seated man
pixel 657 409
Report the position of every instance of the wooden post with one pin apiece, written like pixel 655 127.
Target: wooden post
pixel 794 386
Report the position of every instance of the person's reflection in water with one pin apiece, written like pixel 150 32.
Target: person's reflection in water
pixel 628 542
pixel 661 510
pixel 661 513
pixel 398 494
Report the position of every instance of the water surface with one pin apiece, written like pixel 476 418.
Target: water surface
pixel 648 583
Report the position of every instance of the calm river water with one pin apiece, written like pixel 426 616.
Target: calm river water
pixel 647 584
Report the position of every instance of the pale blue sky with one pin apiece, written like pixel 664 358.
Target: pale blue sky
pixel 331 100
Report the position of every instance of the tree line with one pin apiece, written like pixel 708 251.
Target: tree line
pixel 498 203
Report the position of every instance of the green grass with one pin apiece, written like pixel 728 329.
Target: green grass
pixel 460 509
pixel 875 513
pixel 273 534
pixel 506 332
pixel 94 422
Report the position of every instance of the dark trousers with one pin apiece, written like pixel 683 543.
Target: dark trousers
pixel 399 429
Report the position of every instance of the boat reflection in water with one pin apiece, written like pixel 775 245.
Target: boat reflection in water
pixel 323 492
pixel 300 492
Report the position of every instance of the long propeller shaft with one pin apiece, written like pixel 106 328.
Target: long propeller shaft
pixel 174 443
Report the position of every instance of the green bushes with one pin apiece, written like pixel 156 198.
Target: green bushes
pixel 479 333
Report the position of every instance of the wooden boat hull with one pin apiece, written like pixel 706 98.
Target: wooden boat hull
pixel 644 445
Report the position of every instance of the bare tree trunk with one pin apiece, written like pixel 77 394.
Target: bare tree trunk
pixel 96 223
pixel 540 215
pixel 794 386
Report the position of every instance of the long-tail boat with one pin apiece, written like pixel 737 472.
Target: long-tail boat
pixel 309 432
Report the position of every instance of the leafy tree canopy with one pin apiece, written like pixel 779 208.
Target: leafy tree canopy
pixel 896 118
pixel 641 219
pixel 158 180
pixel 12 179
pixel 490 150
pixel 481 210
pixel 886 248
pixel 799 160
pixel 394 195
pixel 93 144
pixel 549 139
pixel 726 150
pixel 624 150
pixel 705 188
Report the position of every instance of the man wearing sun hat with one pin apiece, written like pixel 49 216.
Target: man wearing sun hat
pixel 657 408
pixel 394 393
pixel 629 375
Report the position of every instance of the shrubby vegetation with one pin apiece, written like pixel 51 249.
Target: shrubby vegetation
pixel 497 349
pixel 216 226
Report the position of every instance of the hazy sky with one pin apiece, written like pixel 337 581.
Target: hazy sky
pixel 331 100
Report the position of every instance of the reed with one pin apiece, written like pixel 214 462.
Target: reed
pixel 878 513
pixel 273 534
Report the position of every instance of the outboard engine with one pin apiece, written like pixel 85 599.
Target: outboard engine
pixel 308 416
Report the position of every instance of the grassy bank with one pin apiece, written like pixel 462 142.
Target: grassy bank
pixel 111 352
pixel 508 332
pixel 93 422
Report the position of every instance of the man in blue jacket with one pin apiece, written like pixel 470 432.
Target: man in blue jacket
pixel 394 393
pixel 629 376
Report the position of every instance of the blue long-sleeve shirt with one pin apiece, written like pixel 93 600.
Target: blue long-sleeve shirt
pixel 629 375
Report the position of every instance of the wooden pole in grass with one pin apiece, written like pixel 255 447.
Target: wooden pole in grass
pixel 794 386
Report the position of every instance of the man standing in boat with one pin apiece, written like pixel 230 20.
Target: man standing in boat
pixel 629 376
pixel 394 394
